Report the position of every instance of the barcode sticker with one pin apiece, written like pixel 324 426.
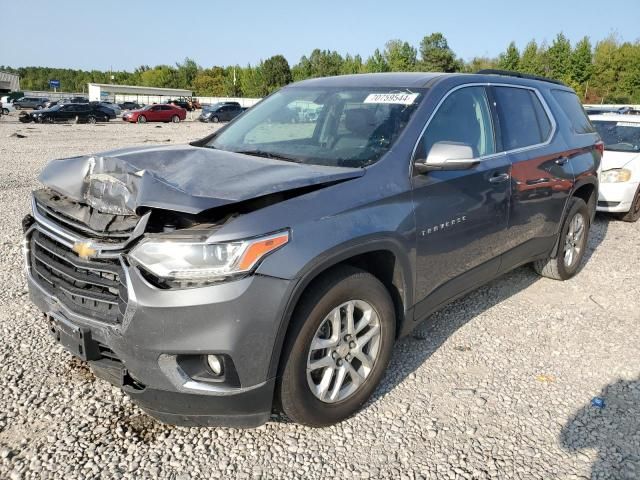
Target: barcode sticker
pixel 399 98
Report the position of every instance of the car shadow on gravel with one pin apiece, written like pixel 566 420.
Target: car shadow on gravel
pixel 613 430
pixel 413 351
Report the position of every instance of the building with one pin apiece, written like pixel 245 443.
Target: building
pixel 9 82
pixel 131 93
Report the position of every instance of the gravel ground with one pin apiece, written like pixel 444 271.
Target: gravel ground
pixel 497 385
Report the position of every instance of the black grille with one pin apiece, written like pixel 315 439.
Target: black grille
pixel 93 288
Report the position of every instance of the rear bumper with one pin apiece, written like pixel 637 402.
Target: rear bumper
pixel 616 197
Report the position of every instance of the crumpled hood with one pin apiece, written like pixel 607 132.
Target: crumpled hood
pixel 181 178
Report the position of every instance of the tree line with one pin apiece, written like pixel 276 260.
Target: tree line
pixel 607 72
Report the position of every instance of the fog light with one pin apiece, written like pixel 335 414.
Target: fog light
pixel 215 364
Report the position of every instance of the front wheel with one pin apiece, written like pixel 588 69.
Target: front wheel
pixel 340 343
pixel 91 119
pixel 634 212
pixel 175 119
pixel 5 111
pixel 215 119
pixel 142 119
pixel 572 243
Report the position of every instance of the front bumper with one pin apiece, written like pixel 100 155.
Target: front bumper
pixel 239 320
pixel 616 197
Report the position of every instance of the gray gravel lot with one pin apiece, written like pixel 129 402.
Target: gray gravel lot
pixel 497 385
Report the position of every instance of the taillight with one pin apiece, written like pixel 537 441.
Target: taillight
pixel 600 147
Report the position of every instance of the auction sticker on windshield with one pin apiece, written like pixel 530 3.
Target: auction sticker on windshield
pixel 399 98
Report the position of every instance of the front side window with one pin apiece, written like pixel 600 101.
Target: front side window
pixel 523 120
pixel 464 117
pixel 334 126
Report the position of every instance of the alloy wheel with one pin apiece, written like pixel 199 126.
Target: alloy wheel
pixel 574 241
pixel 344 351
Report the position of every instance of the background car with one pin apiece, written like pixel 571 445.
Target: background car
pixel 220 112
pixel 156 113
pixel 130 106
pixel 113 106
pixel 7 108
pixel 620 178
pixel 73 112
pixel 30 102
pixel 182 104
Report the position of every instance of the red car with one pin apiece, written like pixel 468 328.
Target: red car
pixel 156 113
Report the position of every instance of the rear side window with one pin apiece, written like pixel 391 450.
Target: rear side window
pixel 573 109
pixel 523 120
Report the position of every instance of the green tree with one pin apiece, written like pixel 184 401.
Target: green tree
pixel 510 60
pixel 351 65
pixel 530 60
pixel 558 58
pixel 210 82
pixel 376 63
pixel 186 73
pixel 400 56
pixel 276 72
pixel 436 55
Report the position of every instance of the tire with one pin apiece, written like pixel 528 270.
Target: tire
pixel 175 119
pixel 91 119
pixel 634 212
pixel 215 119
pixel 565 265
pixel 142 119
pixel 17 107
pixel 5 111
pixel 76 120
pixel 335 292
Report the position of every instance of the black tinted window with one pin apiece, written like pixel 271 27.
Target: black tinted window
pixel 573 109
pixel 523 121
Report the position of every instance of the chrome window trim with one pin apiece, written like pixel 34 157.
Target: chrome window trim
pixel 545 107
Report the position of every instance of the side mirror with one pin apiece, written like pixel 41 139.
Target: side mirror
pixel 447 156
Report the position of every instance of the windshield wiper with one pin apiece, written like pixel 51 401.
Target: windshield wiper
pixel 265 154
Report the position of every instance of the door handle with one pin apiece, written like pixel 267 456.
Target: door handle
pixel 561 160
pixel 499 178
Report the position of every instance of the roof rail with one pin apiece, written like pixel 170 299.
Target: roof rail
pixel 509 73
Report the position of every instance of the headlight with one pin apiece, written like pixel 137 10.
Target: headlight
pixel 202 262
pixel 616 175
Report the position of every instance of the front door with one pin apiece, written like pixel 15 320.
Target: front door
pixel 461 215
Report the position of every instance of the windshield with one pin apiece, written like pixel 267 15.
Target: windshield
pixel 348 127
pixel 619 136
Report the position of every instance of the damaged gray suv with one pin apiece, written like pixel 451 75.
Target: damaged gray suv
pixel 273 264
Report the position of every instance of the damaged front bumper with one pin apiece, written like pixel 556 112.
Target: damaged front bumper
pixel 156 349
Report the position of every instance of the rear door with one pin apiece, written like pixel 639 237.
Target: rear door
pixel 461 215
pixel 542 178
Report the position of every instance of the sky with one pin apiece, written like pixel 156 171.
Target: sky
pixel 122 35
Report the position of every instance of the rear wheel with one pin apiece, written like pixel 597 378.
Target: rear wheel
pixel 634 212
pixel 175 119
pixel 340 343
pixel 572 243
pixel 5 111
pixel 142 119
pixel 17 107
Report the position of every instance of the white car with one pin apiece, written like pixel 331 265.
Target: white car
pixel 620 177
pixel 7 108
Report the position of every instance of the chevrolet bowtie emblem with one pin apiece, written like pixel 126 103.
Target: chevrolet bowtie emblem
pixel 84 249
